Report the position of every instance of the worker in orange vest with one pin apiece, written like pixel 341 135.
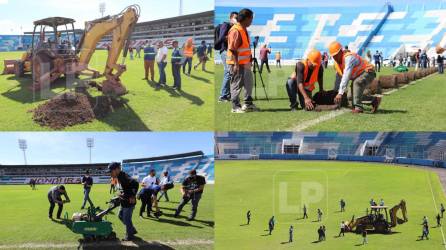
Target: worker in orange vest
pixel 351 66
pixel 302 81
pixel 188 53
pixel 239 60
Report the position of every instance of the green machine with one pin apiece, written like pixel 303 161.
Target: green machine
pixel 401 68
pixel 92 224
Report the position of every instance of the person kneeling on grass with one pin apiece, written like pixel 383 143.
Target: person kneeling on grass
pixel 55 196
pixel 192 190
pixel 351 66
pixel 302 81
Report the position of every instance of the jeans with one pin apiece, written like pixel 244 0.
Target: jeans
pixel 161 67
pixel 87 197
pixel 125 215
pixel 146 202
pixel 441 68
pixel 176 75
pixel 293 93
pixel 225 87
pixel 164 193
pixel 187 60
pixel 264 62
pixel 195 198
pixel 52 204
pixel 378 66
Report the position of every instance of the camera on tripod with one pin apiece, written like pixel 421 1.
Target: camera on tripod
pixel 255 43
pixel 256 70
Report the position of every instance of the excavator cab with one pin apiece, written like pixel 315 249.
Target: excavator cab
pixel 52 50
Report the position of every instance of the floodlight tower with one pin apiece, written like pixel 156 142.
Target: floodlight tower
pixel 102 8
pixel 23 146
pixel 90 145
pixel 181 8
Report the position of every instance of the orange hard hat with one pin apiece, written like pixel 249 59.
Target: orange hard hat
pixel 334 48
pixel 315 57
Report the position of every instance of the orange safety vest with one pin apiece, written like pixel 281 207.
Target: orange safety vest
pixel 313 78
pixel 244 51
pixel 188 51
pixel 358 69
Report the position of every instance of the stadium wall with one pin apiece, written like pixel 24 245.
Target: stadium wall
pixel 380 159
pixel 295 30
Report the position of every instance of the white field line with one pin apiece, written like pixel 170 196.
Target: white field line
pixel 436 208
pixel 154 244
pixel 306 124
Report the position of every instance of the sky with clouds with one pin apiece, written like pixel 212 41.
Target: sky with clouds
pixel 17 15
pixel 70 147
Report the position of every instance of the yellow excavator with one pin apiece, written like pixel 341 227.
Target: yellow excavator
pixel 377 220
pixel 53 53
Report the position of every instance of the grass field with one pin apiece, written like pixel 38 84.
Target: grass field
pixel 412 108
pixel 25 219
pixel 147 108
pixel 255 185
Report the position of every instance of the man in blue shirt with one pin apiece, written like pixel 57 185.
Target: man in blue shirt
pixel 176 65
pixel 225 94
pixel 202 57
pixel 87 182
pixel 149 61
pixel 377 59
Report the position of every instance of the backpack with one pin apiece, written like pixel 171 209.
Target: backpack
pixel 218 40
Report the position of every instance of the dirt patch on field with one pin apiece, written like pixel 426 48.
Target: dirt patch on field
pixel 72 108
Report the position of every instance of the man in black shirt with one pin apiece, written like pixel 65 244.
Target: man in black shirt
pixel 127 197
pixel 55 196
pixel 87 182
pixel 192 189
pixel 302 80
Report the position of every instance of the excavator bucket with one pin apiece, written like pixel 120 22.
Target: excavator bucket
pixel 9 67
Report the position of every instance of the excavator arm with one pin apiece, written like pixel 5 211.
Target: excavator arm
pixel 394 220
pixel 120 26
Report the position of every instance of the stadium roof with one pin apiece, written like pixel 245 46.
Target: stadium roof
pixel 166 20
pixel 167 157
pixel 93 165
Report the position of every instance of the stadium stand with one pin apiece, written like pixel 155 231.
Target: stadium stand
pixel 178 166
pixel 397 28
pixel 373 146
pixel 199 26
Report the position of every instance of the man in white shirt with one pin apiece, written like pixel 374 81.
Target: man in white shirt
pixel 145 195
pixel 150 179
pixel 166 184
pixel 161 60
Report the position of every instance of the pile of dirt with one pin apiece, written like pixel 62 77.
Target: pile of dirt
pixel 70 109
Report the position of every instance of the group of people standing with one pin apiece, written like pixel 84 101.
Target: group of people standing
pixel 180 58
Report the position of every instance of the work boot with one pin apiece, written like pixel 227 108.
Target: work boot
pixel 375 104
pixel 190 219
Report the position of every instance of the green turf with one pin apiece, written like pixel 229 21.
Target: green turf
pixel 24 219
pixel 254 185
pixel 147 109
pixel 413 108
